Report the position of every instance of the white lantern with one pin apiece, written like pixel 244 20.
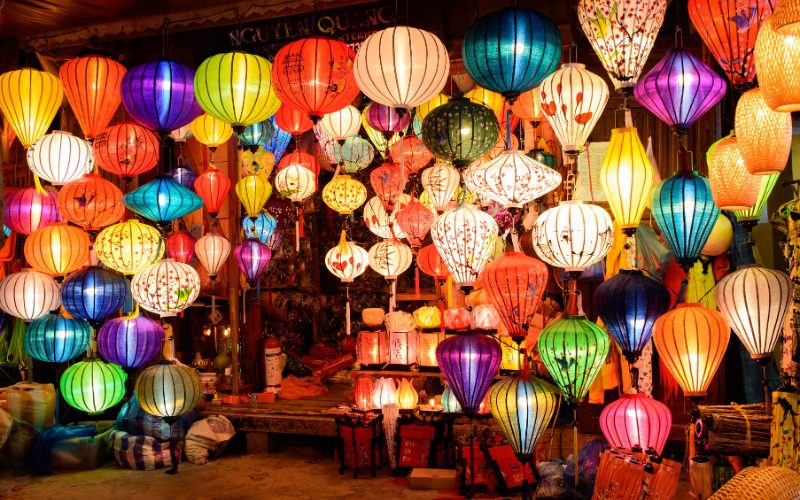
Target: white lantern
pixel 514 179
pixel 327 144
pixel 573 235
pixel 212 251
pixel 465 237
pixel 166 287
pixel 60 157
pixel 384 392
pixel 295 182
pixel 380 222
pixel 341 124
pixel 182 134
pixel 401 67
pixel 29 294
pixel 347 261
pixel 390 258
pixel 440 183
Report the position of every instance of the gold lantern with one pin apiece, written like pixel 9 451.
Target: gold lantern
pixel 344 194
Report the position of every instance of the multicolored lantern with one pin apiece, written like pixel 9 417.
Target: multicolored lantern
pixel 212 251
pixel 469 362
pixel 460 131
pixel 165 287
pixel 92 87
pixel 29 100
pixel 344 194
pixel 55 339
pixel 93 386
pixel 60 157
pixel 162 200
pixel 263 227
pixel 93 294
pixel 465 237
pixel 28 209
pixel 515 283
pixel 28 294
pixel 763 136
pixel 130 341
pixel 126 149
pixel 636 422
pixel 57 249
pixel 253 257
pixel 90 202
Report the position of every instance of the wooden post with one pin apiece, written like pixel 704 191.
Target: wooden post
pixel 233 269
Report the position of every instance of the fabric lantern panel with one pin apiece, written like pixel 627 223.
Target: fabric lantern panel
pixel 129 246
pixel 636 422
pixel 130 341
pixel 55 339
pixel 168 389
pixel 92 87
pixel 464 237
pixel 28 294
pixel 162 200
pixel 57 249
pixel 210 131
pixel 93 294
pixel 372 347
pixel 126 149
pixel 469 362
pixel 90 202
pixel 460 131
pixel 212 251
pixel 29 100
pixel 166 287
pixel 93 386
pixel 28 209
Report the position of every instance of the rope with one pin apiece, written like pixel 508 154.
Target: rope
pixel 746 421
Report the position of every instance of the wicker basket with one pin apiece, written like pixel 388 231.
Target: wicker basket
pixel 758 483
pixel 373 316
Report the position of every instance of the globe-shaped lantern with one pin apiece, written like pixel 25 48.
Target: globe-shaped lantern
pixel 347 261
pixel 57 249
pixel 168 389
pixel 180 246
pixel 253 191
pixel 431 263
pixel 28 209
pixel 511 50
pixel 469 363
pixel 294 121
pixel 54 339
pixel 279 141
pixel 777 67
pixel 386 119
pixel 60 157
pixel 515 283
pixel 28 294
pixel 299 158
pixel 90 202
pixel 210 131
pixel 720 239
pixel 295 182
pixel 126 149
pixel 92 87
pixel 356 153
pixel 763 136
pixel 388 181
pixel 162 200
pixel 527 107
pixel 411 153
pixel 732 186
pixel 514 179
pixel 212 186
pixel 752 215
pixel 256 135
pixel 184 175
pixel 29 100
pixel 263 227
pixel 344 194
pixel 93 386
pixel 129 246
pixel 212 251
pixel 381 141
pixel 415 220
pixel 636 422
pixel 93 294
pixel 160 95
pixel 460 131
pixel 166 287
pixel 626 177
pixel 341 124
pixel 465 238
pixel 130 341
pixel 253 257
pixel 390 258
pixel 440 182
pixel 381 223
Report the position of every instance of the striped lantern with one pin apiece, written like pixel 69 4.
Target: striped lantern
pixel 263 227
pixel 514 179
pixel 515 283
pixel 29 100
pixel 469 363
pixel 162 200
pixel 92 87
pixel 28 294
pixel 180 246
pixel 341 124
pixel 636 422
pixel 440 182
pixel 253 191
pixel 93 294
pixel 91 202
pixel 465 238
pixel 165 287
pixel 129 246
pixel 60 157
pixel 55 339
pixel 126 149
pixel 626 177
pixel 168 389
pixel 386 119
pixel 57 249
pixel 253 257
pixel 93 386
pixel 28 209
pixel 130 341
pixel 295 182
pixel 390 258
pixel 460 131
pixel 212 187
pixel 212 251
pixel 210 131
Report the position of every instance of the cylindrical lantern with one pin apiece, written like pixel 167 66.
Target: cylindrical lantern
pixel 514 179
pixel 341 124
pixel 344 194
pixel 407 396
pixel 254 191
pixel 93 293
pixel 54 339
pixel 28 209
pixel 460 131
pixel 253 257
pixel 636 422
pixel 129 246
pixel 126 149
pixel 390 258
pixel 93 386
pixel 427 343
pixel 384 393
pixel 130 341
pixel 778 67
pixel 180 246
pixel 415 220
pixel 362 394
pixel 372 347
pixel 626 177
pixel 346 261
pixel 162 200
pixel 168 389
pixel 166 287
pixel 212 251
pixel 469 362
pixel 60 157
pixel 411 153
pixel 57 249
pixel 90 202
pixel 465 237
pixel 211 131
pixel 732 186
pixel 403 348
pixel 295 183
pixel 440 183
pixel 28 294
pixel 515 284
pixel 92 87
pixel 212 187
pixel 764 136
pixel 29 100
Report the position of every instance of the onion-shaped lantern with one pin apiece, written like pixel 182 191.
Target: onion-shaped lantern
pixel 90 202
pixel 57 249
pixel 212 187
pixel 636 422
pixel 294 121
pixel 253 257
pixel 344 194
pixel 465 238
pixel 356 153
pixel 763 136
pixel 778 67
pixel 168 389
pixel 341 124
pixel 752 215
pixel 515 283
pixel 426 107
pixel 415 220
pixel 295 182
pixel 514 179
pixel 390 258
pixel 28 294
pixel 262 227
pixel 380 222
pixel 180 246
pixel 469 363
pixel 162 200
pixel 60 157
pixel 93 294
pixel 411 153
pixel 29 100
pixel 626 177
pixel 256 135
pixel 212 251
pixel 130 341
pixel 347 261
pixel 210 131
pixel 93 386
pixel 460 131
pixel 28 209
pixel 253 191
pixel 386 119
pixel 732 186
pixel 166 287
pixel 388 180
pixel 431 263
pixel 54 339
pixel 440 182
pixel 92 87
pixel 129 246
pixel 126 149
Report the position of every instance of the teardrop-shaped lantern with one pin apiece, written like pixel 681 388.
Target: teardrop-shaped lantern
pixel 129 246
pixel 166 287
pixel 162 200
pixel 212 251
pixel 55 339
pixel 763 136
pixel 93 386
pixel 253 191
pixel 465 238
pixel 180 246
pixel 279 141
pixel 60 157
pixel 130 341
pixel 347 261
pixel 341 124
pixel 91 202
pixel 29 100
pixel 57 249
pixel 407 396
pixel 514 179
pixel 460 131
pixel 415 220
pixel 390 258
pixel 211 131
pixel 469 363
pixel 92 87
pixel 626 177
pixel 440 182
pixel 212 186
pixel 126 149
pixel 636 422
pixel 28 209
pixel 253 257
pixel 28 294
pixel 93 294
pixel 344 194
pixel 515 283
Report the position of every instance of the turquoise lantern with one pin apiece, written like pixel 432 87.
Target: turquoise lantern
pixel 256 135
pixel 54 339
pixel 162 200
pixel 262 228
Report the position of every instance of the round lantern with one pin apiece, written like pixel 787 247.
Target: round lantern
pixel 211 131
pixel 263 227
pixel 380 222
pixel 415 220
pixel 254 191
pixel 346 260
pixel 626 177
pixel 636 422
pixel 679 89
pixel 212 187
pixel 344 195
pixel 92 87
pixel 386 119
pixel 401 66
pixel 465 237
pixel 256 135
pixel 411 153
pixel 60 157
pixel 390 258
pixel 469 363
pixel 431 263
pixel 382 141
pixel 129 246
pixel 236 88
pixel 299 158
pixel 212 251
pixel 384 392
pixel 93 386
pixel 126 149
pixel 574 350
pixel 449 402
pixel 57 249
pixel 166 287
pixel 162 200
pixel 341 124
pixel 572 99
pixel 90 202
pixel 54 339
pixel 755 301
pixel 253 257
pixel 295 183
pixel 732 186
pixel 751 216
pixel 28 294
pixel 407 396
pixel 460 131
pixel 93 293
pixel 511 50
pixel 28 209
pixel 763 136
pixel 426 107
pixel 528 108
pixel 573 235
pixel 514 179
pixel 778 67
pixel 160 95
pixel 168 389
pixel 294 121
pixel 440 183
pixel 720 239
pixel 182 134
pixel 180 246
pixel 29 100
pixel 388 180
pixel 515 283
pixel 356 153
pixel 130 341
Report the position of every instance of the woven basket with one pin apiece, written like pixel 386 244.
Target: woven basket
pixel 758 483
pixel 373 316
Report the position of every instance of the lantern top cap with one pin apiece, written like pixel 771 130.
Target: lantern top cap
pixel 573 65
pixel 619 130
pixel 688 304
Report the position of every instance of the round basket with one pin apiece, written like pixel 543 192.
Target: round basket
pixel 756 483
pixel 373 316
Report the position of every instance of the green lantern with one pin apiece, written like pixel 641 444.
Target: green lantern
pixel 750 217
pixel 460 131
pixel 93 386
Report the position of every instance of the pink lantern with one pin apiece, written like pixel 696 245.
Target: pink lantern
pixel 411 153
pixel 388 180
pixel 636 422
pixel 372 347
pixel 28 209
pixel 457 319
pixel 386 119
pixel 415 220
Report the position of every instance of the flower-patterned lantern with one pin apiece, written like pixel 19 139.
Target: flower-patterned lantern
pixel 295 182
pixel 126 149
pixel 180 246
pixel 212 251
pixel 263 227
pixel 344 194
pixel 390 258
pixel 381 223
pixel 732 186
pixel 426 107
pixel 346 260
pixel 415 220
pixel 356 153
pixel 129 246
pixel 28 209
pixel 636 422
pixel 253 257
pixel 440 182
pixel 28 294
pixel 90 202
pixel 411 153
pixel 60 157
pixel 465 238
pixel 515 283
pixel 460 131
pixel 763 136
pixel 254 191
pixel 388 180
pixel 57 249
pixel 514 179
pixel 29 100
pixel 469 362
pixel 166 287
pixel 210 131
pixel 130 341
pixel 92 87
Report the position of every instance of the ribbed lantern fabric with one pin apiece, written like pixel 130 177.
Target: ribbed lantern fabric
pixel 93 386
pixel 162 200
pixel 574 350
pixel 253 257
pixel 279 141
pixel 515 284
pixel 460 131
pixel 380 222
pixel 126 149
pixel 415 220
pixel 390 258
pixel 732 186
pixel 449 402
pixel 411 153
pixel 636 422
pixel 29 100
pixel 401 66
pixel 254 191
pixel 263 227
pixel 182 134
pixel 92 87
pixel 130 341
pixel 622 34
pixel 184 175
pixel 57 249
pixel 778 67
pixel 299 158
pixel 431 263
pixel 629 304
pixel 465 238
pixel 168 389
pixel 160 95
pixel 341 124
pixel 295 182
pixel 755 301
pixel 129 246
pixel 753 214
pixel 211 131
pixel 90 202
pixel 28 294
pixel 93 293
pixel 54 339
pixel 691 341
pixel 626 177
pixel 381 141
pixel 344 194
pixel 514 179
pixel 388 181
pixel 347 261
pixel 165 287
pixel 511 50
pixel 60 157
pixel 469 363
pixel 679 89
pixel 212 251
pixel 180 246
pixel 212 186
pixel 572 99
pixel 764 136
pixel 440 182
pixel 256 135
pixel 386 119
pixel 28 209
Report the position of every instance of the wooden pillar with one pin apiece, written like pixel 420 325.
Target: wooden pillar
pixel 233 270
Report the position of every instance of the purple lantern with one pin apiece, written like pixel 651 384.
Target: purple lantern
pixel 130 341
pixel 469 362
pixel 385 118
pixel 679 90
pixel 252 256
pixel 160 95
pixel 28 209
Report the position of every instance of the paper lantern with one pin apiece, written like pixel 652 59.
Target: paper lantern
pixel 485 317
pixel 299 158
pixel 162 200
pixel 411 153
pixel 729 30
pixel 28 294
pixel 126 149
pixel 384 392
pixel 55 339
pixel 514 179
pixel 440 183
pixel 763 136
pixel 256 135
pixel 28 209
pixel 128 246
pixel 679 90
pixel 160 95
pixel 457 318
pixel 751 216
pixel 372 347
pixel 262 227
pixel 388 180
pixel 720 239
pixel 165 287
pixel 426 107
pixel 180 246
pixel 341 124
pixel 168 389
pixel 401 66
pixel 362 394
pixel 90 202
pixel 295 182
pixel 469 362
pixel 431 263
pixel 515 283
pixel 294 121
pixel 344 194
pixel 379 221
pixel 386 119
pixel 212 187
pixel 212 251
pixel 415 220
pixel 636 422
pixel 254 191
pixel 572 99
pixel 573 235
pixel 130 341
pixel 60 157
pixel 574 350
pixel 346 260
pixel 449 402
pixel 57 249
pixel 407 396
pixel 523 407
pixel 732 186
pixel 93 386
pixel 210 131
pixel 527 106
pixel 236 87
pixel 626 177
pixel 92 87
pixel 93 294
pixel 755 301
pixel 390 258
pixel 778 67
pixel 460 131
pixel 253 257
pixel 427 343
pixel 29 100
pixel 464 237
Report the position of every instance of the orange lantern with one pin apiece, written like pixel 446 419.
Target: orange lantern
pixel 299 158
pixel 388 180
pixel 92 87
pixel 411 153
pixel 126 149
pixel 732 186
pixel 407 396
pixel 372 347
pixel 528 108
pixel 415 220
pixel 293 120
pixel 91 202
pixel 764 136
pixel 212 186
pixel 57 249
pixel 515 284
pixel 431 263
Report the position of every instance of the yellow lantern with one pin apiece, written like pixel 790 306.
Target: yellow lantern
pixel 511 352
pixel 344 195
pixel 211 131
pixel 407 396
pixel 29 100
pixel 778 67
pixel 129 246
pixel 259 163
pixel 491 100
pixel 732 186
pixel 428 106
pixel 719 241
pixel 764 136
pixel 253 191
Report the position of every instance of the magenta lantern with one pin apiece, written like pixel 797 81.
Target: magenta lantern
pixel 636 422
pixel 469 362
pixel 253 257
pixel 28 209
pixel 386 119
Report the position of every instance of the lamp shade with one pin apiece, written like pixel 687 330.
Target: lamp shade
pixel 295 183
pixel 279 141
pixel 168 389
pixel 626 177
pixel 212 251
pixel 384 393
pixel 440 182
pixel 691 341
pixel 212 186
pixel 55 339
pixel 180 246
pixel 253 257
pixel 515 283
pixel 415 220
pixel 380 222
pixel 622 34
pixel 465 237
pixel 341 124
pixel 90 202
pixel 129 246
pixel 763 136
pixel 346 260
pixel 165 287
pixel 93 386
pixel 449 402
pixel 254 191
pixel 388 181
pixel 162 200
pixel 29 100
pixel 755 301
pixel 362 394
pixel 92 87
pixel 469 363
pixel 753 214
pixel 460 131
pixel 732 186
pixel 130 341
pixel 636 422
pixel 407 396
pixel 263 227
pixel 344 194
pixel 356 153
pixel 60 157
pixel 431 263
pixel 256 135
pixel 28 209
pixel 411 153
pixel 57 249
pixel 777 67
pixel 93 293
pixel 299 158
pixel 28 294
pixel 390 258
pixel 294 121
pixel 126 149
pixel 211 131
pixel 514 179
pixel 386 119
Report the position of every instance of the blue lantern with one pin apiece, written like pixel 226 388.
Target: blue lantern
pixel 256 134
pixel 55 339
pixel 629 305
pixel 263 228
pixel 511 51
pixel 93 293
pixel 162 200
pixel 278 142
pixel 130 342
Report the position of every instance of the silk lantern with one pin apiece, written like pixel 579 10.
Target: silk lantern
pixel 130 341
pixel 527 107
pixel 777 67
pixel 426 107
pixel 636 422
pixel 93 386
pixel 407 396
pixel 263 227
pixel 388 181
pixel 55 339
pixel 279 141
pixel 751 216
pixel 344 194
pixel 386 119
pixel 212 186
pixel 390 258
pixel 28 294
pixel 180 246
pixel 212 251
pixel 411 153
pixel 129 246
pixel 294 121
pixel 28 209
pixel 168 389
pixel 253 257
pixel 763 136
pixel 515 283
pixel 732 186
pixel 431 263
pixel 449 402
pixel 57 249
pixel 165 287
pixel 514 179
pixel 211 131
pixel 295 182
pixel 92 87
pixel 381 141
pixel 440 182
pixel 93 294
pixel 464 237
pixel 90 202
pixel 256 135
pixel 362 394
pixel 29 100
pixel 341 124
pixel 460 131
pixel 415 220
pixel 346 260
pixel 469 363
pixel 254 191
pixel 720 239
pixel 126 149
pixel 384 392
pixel 299 158
pixel 60 157
pixel 162 200
pixel 380 222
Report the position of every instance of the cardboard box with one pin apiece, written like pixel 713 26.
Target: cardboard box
pixel 433 479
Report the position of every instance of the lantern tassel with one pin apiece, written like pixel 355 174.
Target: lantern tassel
pixel 575 444
pixel 416 281
pixel 38 184
pixel 392 293
pixel 347 312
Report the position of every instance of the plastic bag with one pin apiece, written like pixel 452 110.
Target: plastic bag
pixel 652 255
pixel 208 438
pixel 41 454
pixel 133 420
pixel 33 404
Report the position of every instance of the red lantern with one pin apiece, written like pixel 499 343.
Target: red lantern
pixel 415 220
pixel 126 149
pixel 180 246
pixel 315 75
pixel 431 263
pixel 293 120
pixel 411 153
pixel 91 202
pixel 299 158
pixel 636 422
pixel 388 180
pixel 28 209
pixel 212 187
pixel 92 87
pixel 363 393
pixel 515 283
